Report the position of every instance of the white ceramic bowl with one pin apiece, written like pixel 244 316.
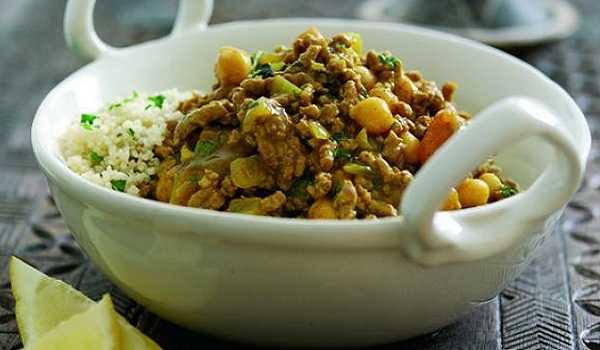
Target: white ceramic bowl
pixel 294 282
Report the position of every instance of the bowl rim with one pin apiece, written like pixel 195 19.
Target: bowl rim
pixel 113 201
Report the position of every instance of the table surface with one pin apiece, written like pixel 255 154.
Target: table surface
pixel 554 304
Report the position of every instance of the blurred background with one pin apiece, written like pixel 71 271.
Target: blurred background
pixel 555 304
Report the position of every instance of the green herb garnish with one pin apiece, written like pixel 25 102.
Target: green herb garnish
pixel 262 70
pixel 194 178
pixel 156 101
pixel 339 136
pixel 388 61
pixel 118 185
pixel 95 158
pixel 131 132
pixel 253 104
pixel 363 92
pixel 508 191
pixel 127 100
pixel 298 187
pixel 87 121
pixel 337 188
pixel 376 183
pixel 340 153
pixel 205 148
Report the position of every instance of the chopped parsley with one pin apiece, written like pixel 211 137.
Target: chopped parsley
pixel 339 136
pixel 194 178
pixel 341 153
pixel 298 187
pixel 376 183
pixel 95 158
pixel 390 62
pixel 127 100
pixel 337 188
pixel 205 148
pixel 253 104
pixel 262 70
pixel 131 132
pixel 363 92
pixel 508 191
pixel 87 121
pixel 118 185
pixel 155 101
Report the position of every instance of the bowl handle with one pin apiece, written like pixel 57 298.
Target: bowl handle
pixel 82 39
pixel 442 237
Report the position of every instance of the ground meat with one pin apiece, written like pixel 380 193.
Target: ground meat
pixel 289 124
pixel 321 187
pixel 208 195
pixel 216 110
pixel 345 201
pixel 273 203
pixel 393 150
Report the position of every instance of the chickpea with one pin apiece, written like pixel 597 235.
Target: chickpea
pixel 233 65
pixel 411 147
pixel 366 77
pixel 322 209
pixel 373 114
pixel 493 182
pixel 385 95
pixel 473 192
pixel 452 202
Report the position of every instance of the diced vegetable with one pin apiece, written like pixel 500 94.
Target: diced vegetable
pixel 131 132
pixel 363 140
pixel 317 130
pixel 357 44
pixel 443 125
pixel 411 147
pixel 373 114
pixel 357 169
pixel 245 206
pixel 318 66
pixel 186 154
pixel 259 108
pixel 270 58
pixel 233 65
pixel 452 202
pixel 322 209
pixel 248 172
pixel 281 85
pixel 473 192
pixel 118 185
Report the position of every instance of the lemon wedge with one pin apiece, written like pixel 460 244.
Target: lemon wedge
pixel 94 329
pixel 42 303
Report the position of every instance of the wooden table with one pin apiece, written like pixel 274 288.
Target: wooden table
pixel 554 304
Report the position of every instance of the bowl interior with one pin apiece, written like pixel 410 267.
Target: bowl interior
pixel 484 75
